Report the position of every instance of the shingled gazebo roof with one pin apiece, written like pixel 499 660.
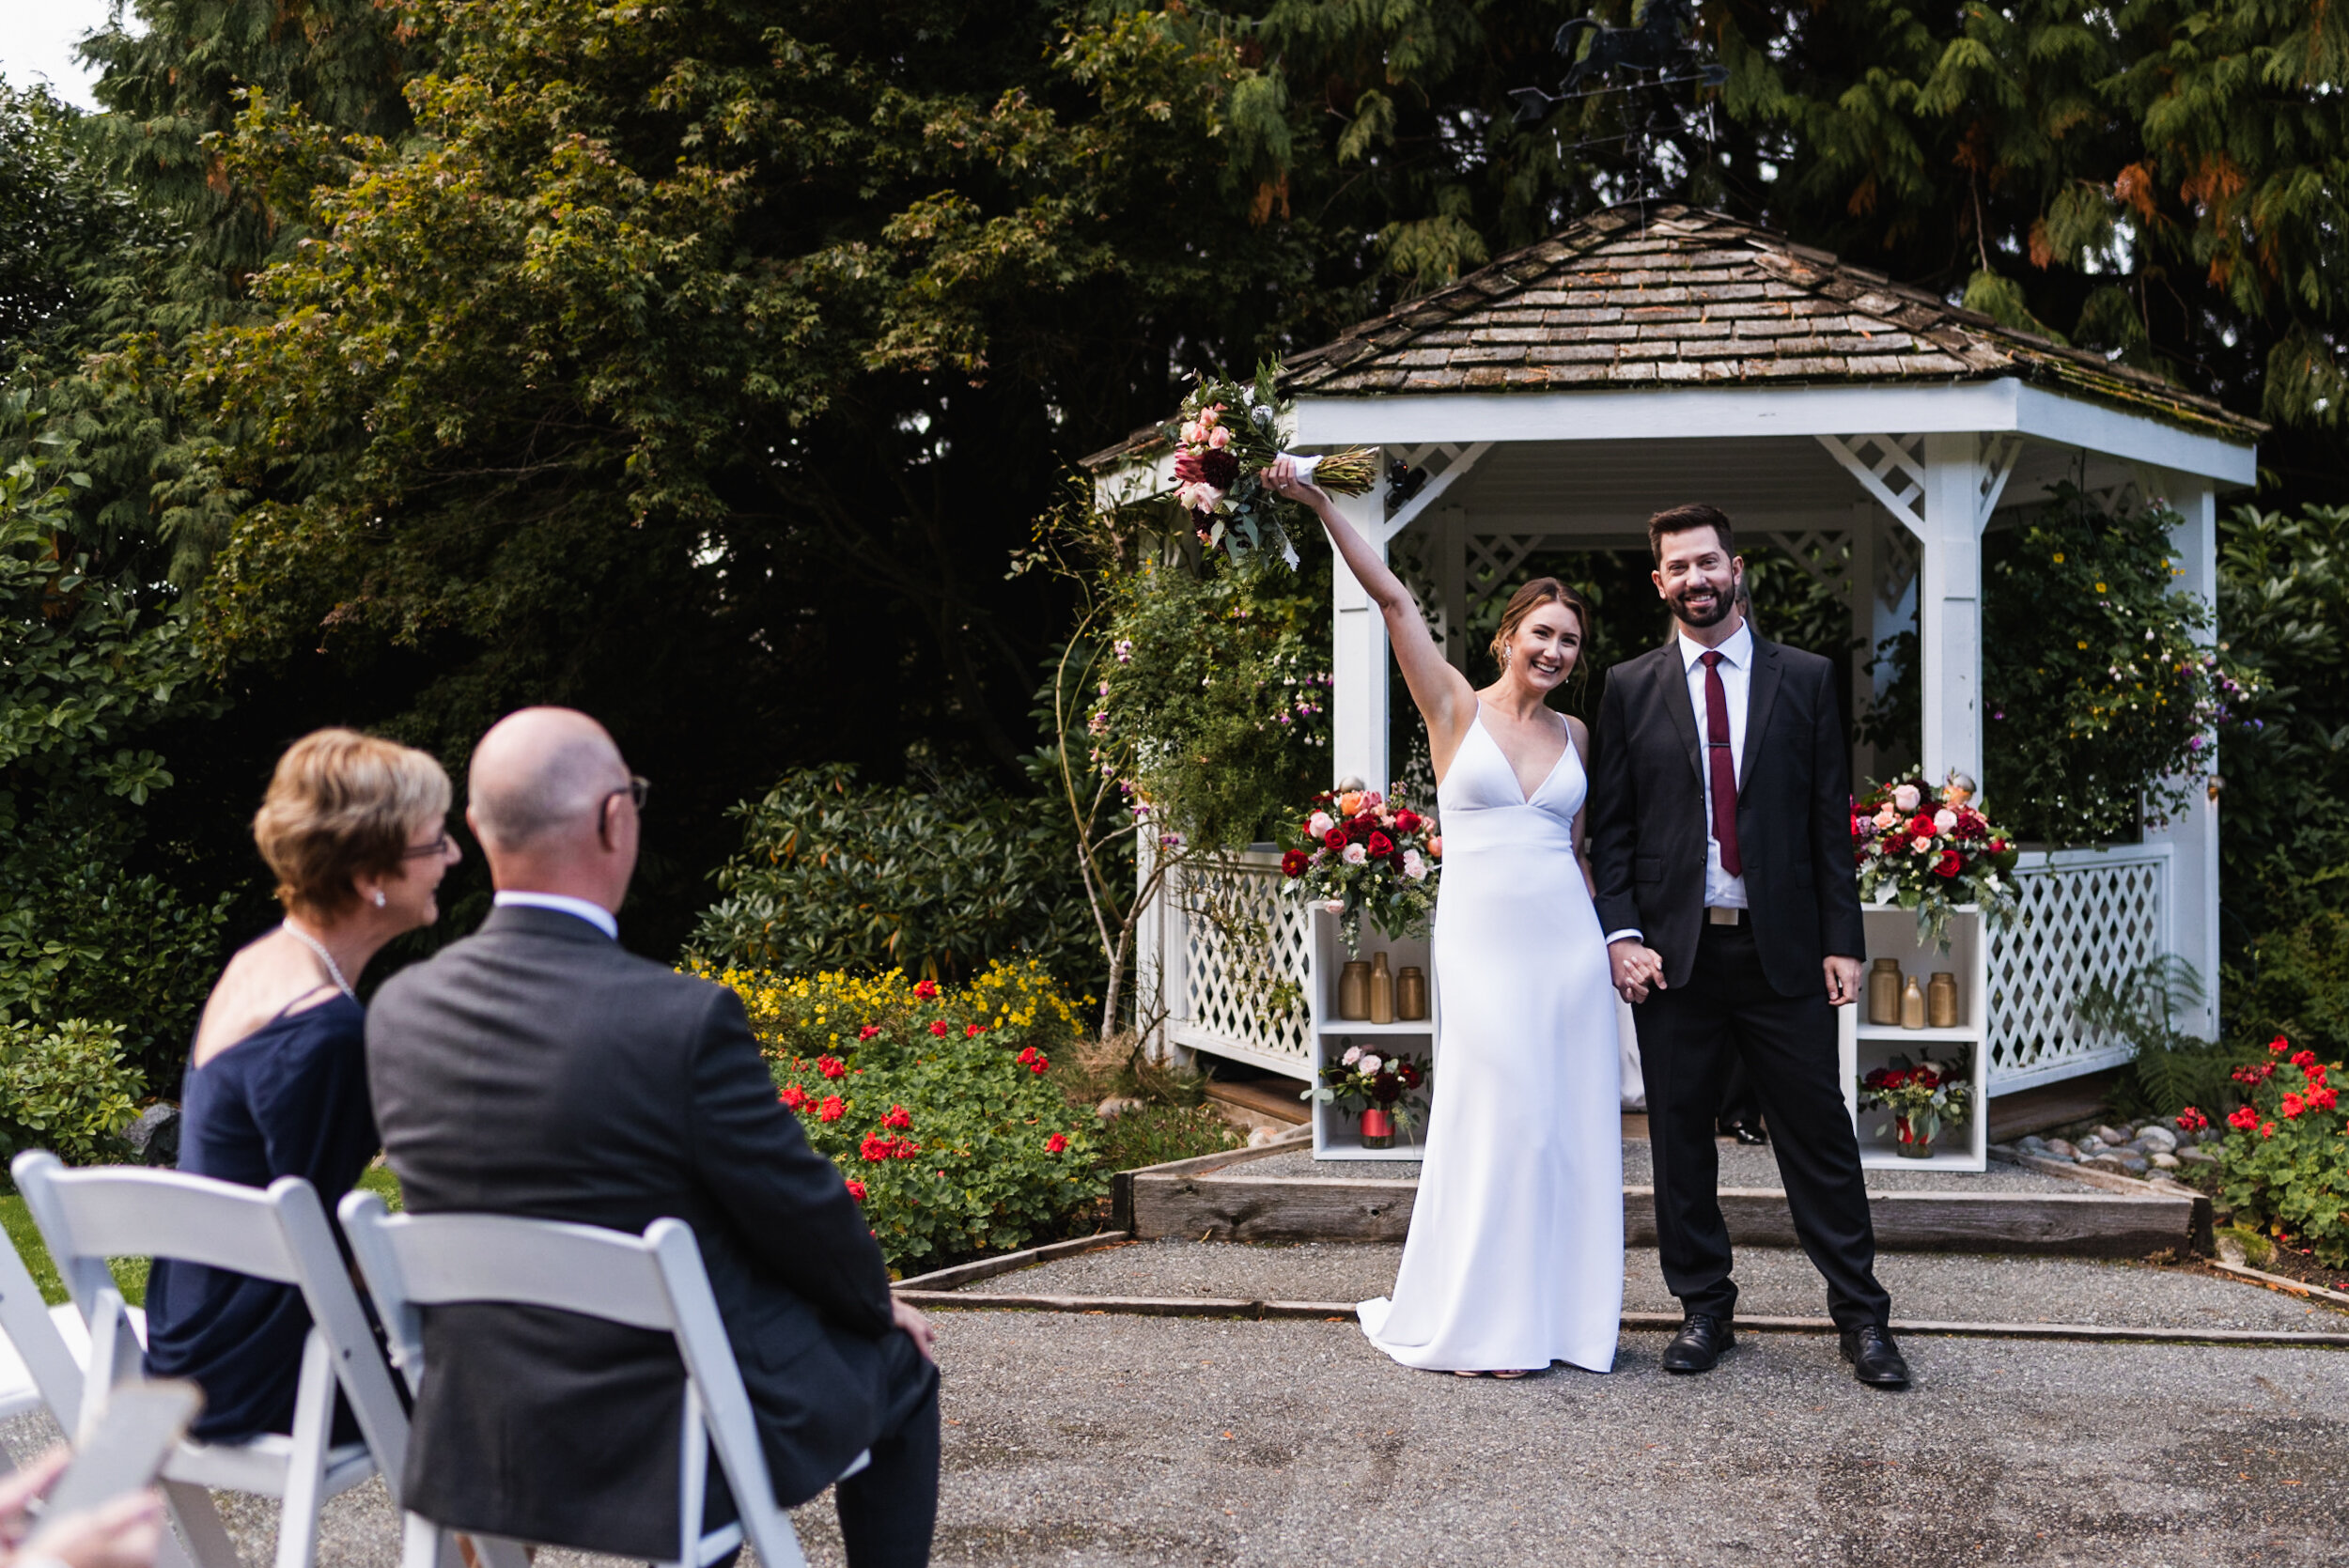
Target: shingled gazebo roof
pixel 1686 298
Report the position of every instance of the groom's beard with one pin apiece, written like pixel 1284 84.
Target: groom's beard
pixel 1713 614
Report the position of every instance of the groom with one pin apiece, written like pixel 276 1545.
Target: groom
pixel 1720 840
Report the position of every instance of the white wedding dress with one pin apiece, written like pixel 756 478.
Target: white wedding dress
pixel 1515 1257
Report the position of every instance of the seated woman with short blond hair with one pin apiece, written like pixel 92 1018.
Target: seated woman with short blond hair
pixel 355 829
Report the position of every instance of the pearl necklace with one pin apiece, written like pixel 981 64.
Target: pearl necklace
pixel 298 934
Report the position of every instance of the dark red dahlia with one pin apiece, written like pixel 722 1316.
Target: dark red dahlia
pixel 1217 467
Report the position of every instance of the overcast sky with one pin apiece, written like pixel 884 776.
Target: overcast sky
pixel 37 39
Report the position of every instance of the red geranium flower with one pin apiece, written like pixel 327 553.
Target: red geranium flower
pixel 1026 1055
pixel 831 1066
pixel 2243 1118
pixel 1055 1143
pixel 2324 1099
pixel 1333 839
pixel 2267 1129
pixel 1950 864
pixel 937 1027
pixel 925 989
pixel 1294 863
pixel 2279 1045
pixel 1380 846
pixel 877 1147
pixel 793 1095
pixel 1039 1066
pixel 2293 1105
pixel 868 1031
pixel 897 1117
pixel 2191 1120
pixel 972 1031
pixel 2304 1060
pixel 856 1190
pixel 832 1109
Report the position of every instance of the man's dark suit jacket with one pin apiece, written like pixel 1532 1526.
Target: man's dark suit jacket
pixel 536 1069
pixel 1793 815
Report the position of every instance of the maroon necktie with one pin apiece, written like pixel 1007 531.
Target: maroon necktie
pixel 1724 767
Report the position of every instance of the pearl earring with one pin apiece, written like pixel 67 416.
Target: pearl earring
pixel 378 898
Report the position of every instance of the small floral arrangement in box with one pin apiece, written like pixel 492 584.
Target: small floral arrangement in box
pixel 1229 435
pixel 1929 850
pixel 1382 1083
pixel 1362 855
pixel 1922 1097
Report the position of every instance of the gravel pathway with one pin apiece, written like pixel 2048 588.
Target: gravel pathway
pixel 1082 1441
pixel 1741 1166
pixel 1772 1282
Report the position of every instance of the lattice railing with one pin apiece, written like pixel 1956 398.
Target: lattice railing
pixel 1245 966
pixel 2087 915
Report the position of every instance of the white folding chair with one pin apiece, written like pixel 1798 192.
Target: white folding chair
pixel 653 1281
pixel 281 1234
pixel 40 1363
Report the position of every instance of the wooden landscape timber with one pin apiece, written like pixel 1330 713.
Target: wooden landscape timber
pixel 1227 1205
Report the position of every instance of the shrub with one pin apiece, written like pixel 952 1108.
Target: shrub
pixel 936 878
pixel 2297 983
pixel 938 1103
pixel 66 1088
pixel 2097 688
pixel 2284 1166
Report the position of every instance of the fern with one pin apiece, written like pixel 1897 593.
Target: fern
pixel 2171 1069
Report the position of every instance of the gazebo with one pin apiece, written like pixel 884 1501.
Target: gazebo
pixel 1645 357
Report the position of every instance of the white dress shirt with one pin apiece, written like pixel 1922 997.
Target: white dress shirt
pixel 594 914
pixel 1721 890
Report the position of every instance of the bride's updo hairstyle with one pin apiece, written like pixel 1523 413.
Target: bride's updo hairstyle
pixel 1541 590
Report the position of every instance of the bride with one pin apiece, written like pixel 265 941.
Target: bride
pixel 1515 1256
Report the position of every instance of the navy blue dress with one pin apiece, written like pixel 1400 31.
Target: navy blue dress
pixel 289 1099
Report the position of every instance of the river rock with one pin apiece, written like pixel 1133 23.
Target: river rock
pixel 2163 1162
pixel 2197 1157
pixel 2155 1139
pixel 2063 1148
pixel 2114 1136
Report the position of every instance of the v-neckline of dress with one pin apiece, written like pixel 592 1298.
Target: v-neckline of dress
pixel 1535 792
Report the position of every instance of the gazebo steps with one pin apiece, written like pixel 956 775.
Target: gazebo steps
pixel 1274 1195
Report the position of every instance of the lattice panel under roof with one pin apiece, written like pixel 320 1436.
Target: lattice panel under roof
pixel 2079 924
pixel 1247 967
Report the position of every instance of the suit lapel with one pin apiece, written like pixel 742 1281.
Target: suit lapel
pixel 1674 677
pixel 1761 694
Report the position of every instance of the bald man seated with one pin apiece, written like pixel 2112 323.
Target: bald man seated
pixel 538 1069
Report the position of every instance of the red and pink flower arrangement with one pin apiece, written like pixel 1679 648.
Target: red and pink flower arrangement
pixel 1382 1083
pixel 1230 433
pixel 1922 1095
pixel 1361 855
pixel 1929 849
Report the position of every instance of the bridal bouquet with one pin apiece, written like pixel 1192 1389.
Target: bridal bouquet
pixel 1229 434
pixel 1920 1098
pixel 1929 850
pixel 1361 855
pixel 1379 1081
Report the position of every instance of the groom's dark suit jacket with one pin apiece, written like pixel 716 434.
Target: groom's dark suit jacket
pixel 1794 814
pixel 536 1069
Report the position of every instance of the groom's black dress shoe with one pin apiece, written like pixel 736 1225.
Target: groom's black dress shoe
pixel 1744 1132
pixel 1700 1342
pixel 1875 1361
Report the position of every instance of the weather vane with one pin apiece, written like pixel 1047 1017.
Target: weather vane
pixel 1657 54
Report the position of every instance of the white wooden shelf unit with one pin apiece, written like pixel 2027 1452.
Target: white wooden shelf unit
pixel 1338 1129
pixel 1891 933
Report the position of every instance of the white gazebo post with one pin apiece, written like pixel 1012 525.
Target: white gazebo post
pixel 1357 664
pixel 2193 832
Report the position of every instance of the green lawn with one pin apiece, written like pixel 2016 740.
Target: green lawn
pixel 130 1273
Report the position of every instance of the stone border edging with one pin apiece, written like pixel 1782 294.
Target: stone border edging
pixel 2283 1283
pixel 1203 1306
pixel 987 1268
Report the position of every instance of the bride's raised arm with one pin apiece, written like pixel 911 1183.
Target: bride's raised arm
pixel 1444 695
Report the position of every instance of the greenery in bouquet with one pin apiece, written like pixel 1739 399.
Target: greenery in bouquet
pixel 1390 1080
pixel 1361 855
pixel 1928 849
pixel 939 1103
pixel 1229 433
pixel 1924 1095
pixel 2284 1165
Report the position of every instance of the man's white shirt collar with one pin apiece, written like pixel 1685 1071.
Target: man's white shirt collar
pixel 594 914
pixel 1738 650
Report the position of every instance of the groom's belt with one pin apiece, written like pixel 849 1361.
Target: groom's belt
pixel 1715 915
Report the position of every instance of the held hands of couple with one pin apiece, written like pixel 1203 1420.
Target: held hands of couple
pixel 1637 969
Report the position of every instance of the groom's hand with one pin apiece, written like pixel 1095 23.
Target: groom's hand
pixel 1637 968
pixel 1843 981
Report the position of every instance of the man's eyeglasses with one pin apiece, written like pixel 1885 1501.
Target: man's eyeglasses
pixel 637 787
